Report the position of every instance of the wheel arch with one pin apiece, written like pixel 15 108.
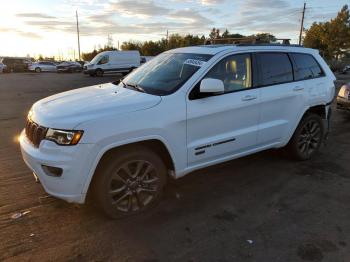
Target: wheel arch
pixel 155 144
pixel 320 110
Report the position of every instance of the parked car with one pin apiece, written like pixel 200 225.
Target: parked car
pixel 113 62
pixel 43 66
pixel 346 69
pixel 14 64
pixel 2 67
pixel 69 67
pixel 82 63
pixel 145 59
pixel 343 98
pixel 186 109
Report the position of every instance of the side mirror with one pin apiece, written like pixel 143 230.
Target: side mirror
pixel 211 85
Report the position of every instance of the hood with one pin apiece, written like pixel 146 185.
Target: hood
pixel 68 109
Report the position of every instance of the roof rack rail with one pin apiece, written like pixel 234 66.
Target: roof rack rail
pixel 232 40
pixel 250 40
pixel 272 44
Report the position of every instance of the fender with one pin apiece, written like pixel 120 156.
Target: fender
pixel 327 114
pixel 118 144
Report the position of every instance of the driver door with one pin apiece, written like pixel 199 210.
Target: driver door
pixel 104 63
pixel 222 125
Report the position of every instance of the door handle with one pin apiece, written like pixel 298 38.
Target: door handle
pixel 298 88
pixel 248 98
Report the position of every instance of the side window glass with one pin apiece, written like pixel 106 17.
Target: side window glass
pixel 234 71
pixel 306 67
pixel 275 68
pixel 104 60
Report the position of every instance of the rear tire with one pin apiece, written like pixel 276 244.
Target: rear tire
pixel 307 138
pixel 38 70
pixel 129 182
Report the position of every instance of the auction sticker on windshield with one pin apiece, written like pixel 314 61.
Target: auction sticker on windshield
pixel 194 62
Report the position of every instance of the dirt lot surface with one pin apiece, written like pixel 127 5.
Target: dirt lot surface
pixel 265 207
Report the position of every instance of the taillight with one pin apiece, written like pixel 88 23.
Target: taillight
pixel 344 91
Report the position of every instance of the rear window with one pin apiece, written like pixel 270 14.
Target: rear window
pixel 306 67
pixel 275 68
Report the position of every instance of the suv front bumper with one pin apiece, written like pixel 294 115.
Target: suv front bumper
pixel 73 160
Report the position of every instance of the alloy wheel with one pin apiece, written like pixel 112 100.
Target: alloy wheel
pixel 310 137
pixel 134 186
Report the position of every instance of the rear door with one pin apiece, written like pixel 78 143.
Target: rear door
pixel 282 98
pixel 51 67
pixel 221 125
pixel 307 69
pixel 43 66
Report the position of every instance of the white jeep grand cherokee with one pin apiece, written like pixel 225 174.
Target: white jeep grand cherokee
pixel 186 109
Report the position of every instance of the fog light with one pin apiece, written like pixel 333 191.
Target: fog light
pixel 52 171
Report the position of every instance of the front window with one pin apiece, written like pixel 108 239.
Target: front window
pixel 166 73
pixel 234 71
pixel 96 59
pixel 104 60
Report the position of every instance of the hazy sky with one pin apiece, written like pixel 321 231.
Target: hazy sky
pixel 48 26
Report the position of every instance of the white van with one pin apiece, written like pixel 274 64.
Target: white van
pixel 113 62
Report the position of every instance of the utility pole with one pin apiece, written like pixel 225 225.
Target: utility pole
pixel 76 14
pixel 167 39
pixel 302 24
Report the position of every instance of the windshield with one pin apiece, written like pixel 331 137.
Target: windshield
pixel 166 73
pixel 96 59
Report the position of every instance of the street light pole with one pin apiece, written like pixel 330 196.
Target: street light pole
pixel 76 14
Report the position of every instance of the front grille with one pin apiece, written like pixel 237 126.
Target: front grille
pixel 35 133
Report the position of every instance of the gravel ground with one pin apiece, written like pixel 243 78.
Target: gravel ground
pixel 265 207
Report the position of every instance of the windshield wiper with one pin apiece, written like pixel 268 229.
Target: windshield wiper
pixel 135 87
pixel 121 81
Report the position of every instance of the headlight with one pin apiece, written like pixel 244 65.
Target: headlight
pixel 344 91
pixel 30 114
pixel 64 137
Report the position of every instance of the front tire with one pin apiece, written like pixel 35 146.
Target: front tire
pixel 38 70
pixel 307 138
pixel 129 181
pixel 99 72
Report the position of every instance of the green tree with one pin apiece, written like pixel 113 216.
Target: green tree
pixel 316 37
pixel 90 55
pixel 332 38
pixel 131 45
pixel 150 48
pixel 215 33
pixel 227 34
pixel 265 37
